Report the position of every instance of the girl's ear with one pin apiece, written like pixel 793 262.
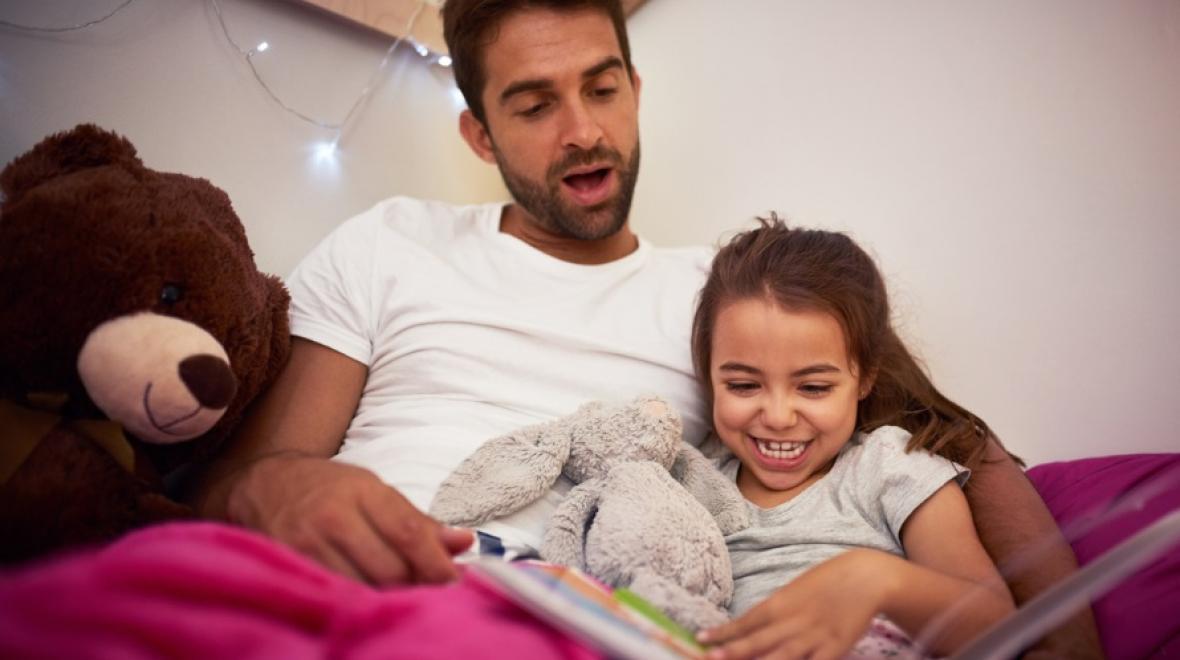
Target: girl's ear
pixel 866 385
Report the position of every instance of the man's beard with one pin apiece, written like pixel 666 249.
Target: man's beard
pixel 544 201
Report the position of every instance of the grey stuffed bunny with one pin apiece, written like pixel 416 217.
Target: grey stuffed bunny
pixel 632 519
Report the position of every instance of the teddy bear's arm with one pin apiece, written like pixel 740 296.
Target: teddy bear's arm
pixel 718 494
pixel 565 537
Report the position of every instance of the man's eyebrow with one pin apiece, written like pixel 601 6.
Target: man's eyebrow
pixel 611 62
pixel 522 86
pixel 538 84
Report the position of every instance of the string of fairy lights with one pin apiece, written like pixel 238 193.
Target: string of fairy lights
pixel 336 129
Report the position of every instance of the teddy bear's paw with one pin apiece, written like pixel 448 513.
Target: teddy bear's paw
pixel 689 609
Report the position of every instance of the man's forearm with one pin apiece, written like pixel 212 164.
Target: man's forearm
pixel 1024 541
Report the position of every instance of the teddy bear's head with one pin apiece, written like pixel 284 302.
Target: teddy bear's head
pixel 132 294
pixel 602 435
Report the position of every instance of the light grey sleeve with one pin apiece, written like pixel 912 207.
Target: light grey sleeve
pixel 898 481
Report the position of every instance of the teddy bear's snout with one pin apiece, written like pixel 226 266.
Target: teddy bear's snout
pixel 164 379
pixel 210 380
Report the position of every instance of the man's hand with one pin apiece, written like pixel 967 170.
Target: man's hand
pixel 345 518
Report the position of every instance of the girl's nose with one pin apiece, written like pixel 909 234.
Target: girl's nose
pixel 779 413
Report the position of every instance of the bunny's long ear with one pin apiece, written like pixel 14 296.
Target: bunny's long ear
pixel 503 475
pixel 718 494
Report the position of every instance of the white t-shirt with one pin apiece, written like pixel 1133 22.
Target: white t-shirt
pixel 469 333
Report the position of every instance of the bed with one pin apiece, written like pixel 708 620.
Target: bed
pixel 203 589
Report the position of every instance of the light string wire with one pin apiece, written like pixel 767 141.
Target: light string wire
pixel 68 28
pixel 366 92
pixel 249 53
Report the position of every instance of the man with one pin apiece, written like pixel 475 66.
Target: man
pixel 423 329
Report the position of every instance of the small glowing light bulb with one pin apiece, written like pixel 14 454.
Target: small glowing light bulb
pixel 422 50
pixel 261 48
pixel 325 150
pixel 444 60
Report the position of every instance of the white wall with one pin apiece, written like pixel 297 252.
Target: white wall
pixel 1014 165
pixel 162 73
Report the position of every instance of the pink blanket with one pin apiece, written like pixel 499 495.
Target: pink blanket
pixel 205 590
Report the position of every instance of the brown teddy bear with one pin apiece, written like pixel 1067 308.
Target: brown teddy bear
pixel 135 329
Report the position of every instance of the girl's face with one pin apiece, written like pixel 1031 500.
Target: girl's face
pixel 784 395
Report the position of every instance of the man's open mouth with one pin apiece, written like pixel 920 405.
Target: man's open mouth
pixel 589 187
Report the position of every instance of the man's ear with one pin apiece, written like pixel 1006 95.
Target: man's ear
pixel 476 135
pixel 636 83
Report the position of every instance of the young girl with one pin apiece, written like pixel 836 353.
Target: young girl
pixel 830 426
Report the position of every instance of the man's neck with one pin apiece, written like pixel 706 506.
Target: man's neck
pixel 515 221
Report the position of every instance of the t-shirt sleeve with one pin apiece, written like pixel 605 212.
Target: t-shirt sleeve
pixel 331 289
pixel 903 481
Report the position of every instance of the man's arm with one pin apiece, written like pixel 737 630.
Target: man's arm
pixel 275 477
pixel 1011 518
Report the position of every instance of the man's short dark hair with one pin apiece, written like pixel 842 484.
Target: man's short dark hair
pixel 470 25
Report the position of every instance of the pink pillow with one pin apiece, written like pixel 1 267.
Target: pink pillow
pixel 1140 617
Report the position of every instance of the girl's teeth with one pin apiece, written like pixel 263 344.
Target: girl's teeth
pixel 781 450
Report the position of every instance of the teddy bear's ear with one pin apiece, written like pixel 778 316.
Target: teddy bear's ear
pixel 278 300
pixel 504 475
pixel 85 146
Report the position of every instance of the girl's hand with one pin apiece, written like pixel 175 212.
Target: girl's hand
pixel 819 615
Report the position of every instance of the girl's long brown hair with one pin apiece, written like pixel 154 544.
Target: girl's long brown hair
pixel 806 269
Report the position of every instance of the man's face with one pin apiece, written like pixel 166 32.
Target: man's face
pixel 562 122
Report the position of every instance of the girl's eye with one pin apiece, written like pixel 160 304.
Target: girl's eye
pixel 815 389
pixel 741 387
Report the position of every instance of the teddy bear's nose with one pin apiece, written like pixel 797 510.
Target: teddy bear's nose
pixel 210 380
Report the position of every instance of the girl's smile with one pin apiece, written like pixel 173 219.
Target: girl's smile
pixel 779 455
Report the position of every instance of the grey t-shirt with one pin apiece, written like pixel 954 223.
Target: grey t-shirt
pixel 864 500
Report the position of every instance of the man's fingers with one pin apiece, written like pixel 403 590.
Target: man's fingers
pixel 455 539
pixel 415 537
pixel 370 558
pixel 335 561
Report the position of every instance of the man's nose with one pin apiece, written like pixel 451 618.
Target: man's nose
pixel 580 128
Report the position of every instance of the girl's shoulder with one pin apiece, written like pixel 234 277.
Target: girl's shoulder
pixel 877 444
pixel 881 455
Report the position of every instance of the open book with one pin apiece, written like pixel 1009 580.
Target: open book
pixel 623 625
pixel 1053 606
pixel 615 621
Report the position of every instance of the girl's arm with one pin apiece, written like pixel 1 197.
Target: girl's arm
pixel 950 592
pixel 825 611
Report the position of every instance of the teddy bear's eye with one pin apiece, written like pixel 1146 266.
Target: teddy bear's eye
pixel 171 294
